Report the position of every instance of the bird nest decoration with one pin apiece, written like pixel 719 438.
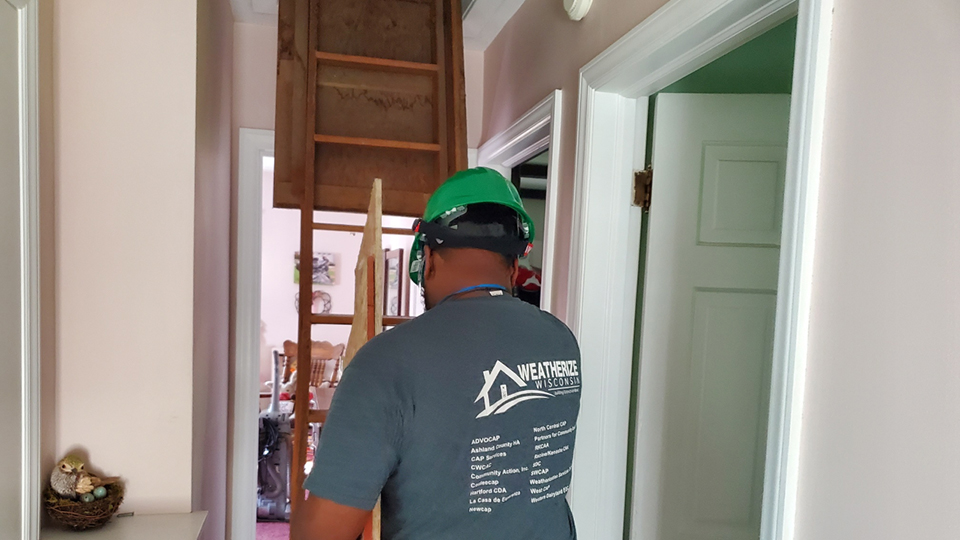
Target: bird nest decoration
pixel 82 516
pixel 81 500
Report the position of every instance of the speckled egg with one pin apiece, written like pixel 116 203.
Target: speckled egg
pixel 100 492
pixel 87 497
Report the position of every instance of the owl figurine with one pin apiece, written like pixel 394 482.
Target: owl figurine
pixel 69 479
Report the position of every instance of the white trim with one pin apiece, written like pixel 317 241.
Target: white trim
pixel 681 37
pixel 678 39
pixel 30 269
pixel 804 151
pixel 255 144
pixel 536 130
pixel 603 300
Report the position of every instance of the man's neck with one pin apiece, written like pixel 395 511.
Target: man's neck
pixel 469 288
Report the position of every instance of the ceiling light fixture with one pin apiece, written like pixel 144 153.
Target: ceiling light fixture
pixel 576 9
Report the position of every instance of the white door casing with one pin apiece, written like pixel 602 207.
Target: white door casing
pixel 708 315
pixel 19 269
pixel 255 144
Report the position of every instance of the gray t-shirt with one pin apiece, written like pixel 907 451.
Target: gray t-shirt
pixel 465 419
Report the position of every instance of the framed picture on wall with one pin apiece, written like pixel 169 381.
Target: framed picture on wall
pixel 324 268
pixel 393 283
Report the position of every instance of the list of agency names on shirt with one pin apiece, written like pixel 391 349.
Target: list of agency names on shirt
pixel 502 470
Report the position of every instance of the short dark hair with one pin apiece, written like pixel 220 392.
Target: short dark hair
pixel 488 219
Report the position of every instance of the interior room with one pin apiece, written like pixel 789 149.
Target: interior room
pixel 753 318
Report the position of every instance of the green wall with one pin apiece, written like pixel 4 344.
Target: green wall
pixel 763 65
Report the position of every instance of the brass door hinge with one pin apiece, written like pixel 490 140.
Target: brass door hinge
pixel 642 187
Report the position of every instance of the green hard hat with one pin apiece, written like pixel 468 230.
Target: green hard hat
pixel 472 186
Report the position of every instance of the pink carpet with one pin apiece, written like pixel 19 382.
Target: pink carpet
pixel 273 531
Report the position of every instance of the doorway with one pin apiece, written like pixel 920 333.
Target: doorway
pixel 530 179
pixel 522 153
pixel 706 307
pixel 267 293
pixel 612 136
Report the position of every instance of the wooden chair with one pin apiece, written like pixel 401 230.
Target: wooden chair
pixel 325 369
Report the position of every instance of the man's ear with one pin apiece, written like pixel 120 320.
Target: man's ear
pixel 429 268
pixel 514 273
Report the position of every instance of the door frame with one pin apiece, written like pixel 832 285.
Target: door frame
pixel 28 15
pixel 678 39
pixel 535 131
pixel 255 144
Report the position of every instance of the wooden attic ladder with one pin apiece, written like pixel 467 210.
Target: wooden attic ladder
pixel 366 322
pixel 358 99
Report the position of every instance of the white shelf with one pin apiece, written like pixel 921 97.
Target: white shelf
pixel 155 527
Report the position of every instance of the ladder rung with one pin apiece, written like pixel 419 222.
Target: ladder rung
pixel 348 319
pixel 359 229
pixel 378 64
pixel 379 143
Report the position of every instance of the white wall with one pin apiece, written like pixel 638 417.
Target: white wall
pixel 124 152
pixel 880 450
pixel 280 240
pixel 473 83
pixel 10 323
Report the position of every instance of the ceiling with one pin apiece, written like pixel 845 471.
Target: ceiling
pixel 255 11
pixel 482 19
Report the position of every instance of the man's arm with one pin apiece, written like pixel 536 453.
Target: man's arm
pixel 323 519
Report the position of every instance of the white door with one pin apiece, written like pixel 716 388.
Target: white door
pixel 708 315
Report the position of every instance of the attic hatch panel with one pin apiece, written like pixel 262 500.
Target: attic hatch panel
pixel 389 101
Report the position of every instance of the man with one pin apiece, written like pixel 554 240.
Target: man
pixel 463 419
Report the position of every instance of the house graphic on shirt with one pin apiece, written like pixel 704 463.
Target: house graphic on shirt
pixel 496 395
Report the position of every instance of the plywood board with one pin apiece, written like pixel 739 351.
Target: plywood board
pixel 370 246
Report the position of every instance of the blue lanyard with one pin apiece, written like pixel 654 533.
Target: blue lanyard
pixel 485 287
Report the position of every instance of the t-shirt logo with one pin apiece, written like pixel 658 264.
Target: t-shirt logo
pixel 515 386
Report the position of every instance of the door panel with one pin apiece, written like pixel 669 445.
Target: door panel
pixel 708 315
pixel 742 194
pixel 725 410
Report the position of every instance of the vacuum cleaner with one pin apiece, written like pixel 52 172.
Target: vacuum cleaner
pixel 273 470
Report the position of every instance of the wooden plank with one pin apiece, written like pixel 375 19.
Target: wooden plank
pixel 350 199
pixel 372 532
pixel 456 111
pixel 378 143
pixel 371 245
pixel 348 319
pixel 292 70
pixel 301 406
pixel 371 297
pixel 440 103
pixel 379 64
pixel 337 227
